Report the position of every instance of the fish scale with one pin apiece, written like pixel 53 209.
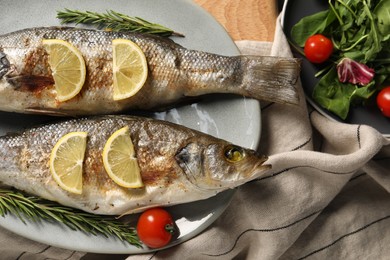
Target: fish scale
pixel 175 74
pixel 177 164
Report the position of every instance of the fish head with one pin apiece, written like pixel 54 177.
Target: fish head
pixel 220 165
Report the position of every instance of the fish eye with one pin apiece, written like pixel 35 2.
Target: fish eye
pixel 234 153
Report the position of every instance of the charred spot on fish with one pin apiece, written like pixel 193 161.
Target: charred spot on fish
pixel 99 71
pixel 96 207
pixel 177 62
pixel 234 153
pixel 26 42
pixel 183 156
pixel 190 160
pixel 4 64
pixel 163 178
pixel 36 73
pixel 31 83
pixel 36 62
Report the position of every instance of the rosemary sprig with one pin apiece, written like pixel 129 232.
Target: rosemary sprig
pixel 114 21
pixel 35 209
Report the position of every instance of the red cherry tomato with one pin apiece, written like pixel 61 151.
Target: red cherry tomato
pixel 318 48
pixel 383 101
pixel 155 227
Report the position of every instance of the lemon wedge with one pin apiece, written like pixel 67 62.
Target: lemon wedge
pixel 119 160
pixel 66 161
pixel 67 66
pixel 130 69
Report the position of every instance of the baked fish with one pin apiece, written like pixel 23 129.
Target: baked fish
pixel 27 86
pixel 177 164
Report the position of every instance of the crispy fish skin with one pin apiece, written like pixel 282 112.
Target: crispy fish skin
pixel 177 164
pixel 26 84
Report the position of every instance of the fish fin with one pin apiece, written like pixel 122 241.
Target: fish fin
pixel 12 134
pixel 271 78
pixel 47 111
pixel 31 82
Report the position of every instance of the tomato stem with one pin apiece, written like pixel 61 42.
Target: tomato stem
pixel 170 228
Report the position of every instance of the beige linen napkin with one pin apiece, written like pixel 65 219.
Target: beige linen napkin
pixel 327 196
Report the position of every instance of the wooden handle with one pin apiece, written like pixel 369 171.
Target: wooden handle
pixel 244 19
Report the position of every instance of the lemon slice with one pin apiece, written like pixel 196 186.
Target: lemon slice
pixel 119 160
pixel 130 68
pixel 68 68
pixel 66 161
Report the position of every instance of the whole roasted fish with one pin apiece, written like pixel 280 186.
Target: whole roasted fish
pixel 177 164
pixel 27 86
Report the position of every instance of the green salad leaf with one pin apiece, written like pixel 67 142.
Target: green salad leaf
pixel 360 30
pixel 382 12
pixel 310 25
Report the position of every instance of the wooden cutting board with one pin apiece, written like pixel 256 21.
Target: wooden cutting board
pixel 244 19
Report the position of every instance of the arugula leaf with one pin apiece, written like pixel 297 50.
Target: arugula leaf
pixel 310 25
pixel 373 43
pixel 337 97
pixel 382 12
pixel 329 95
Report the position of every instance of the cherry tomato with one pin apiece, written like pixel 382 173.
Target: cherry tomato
pixel 155 227
pixel 383 101
pixel 318 48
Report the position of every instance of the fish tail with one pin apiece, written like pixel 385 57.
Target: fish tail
pixel 271 78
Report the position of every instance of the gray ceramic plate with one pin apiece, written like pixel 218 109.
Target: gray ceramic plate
pixel 294 10
pixel 213 115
